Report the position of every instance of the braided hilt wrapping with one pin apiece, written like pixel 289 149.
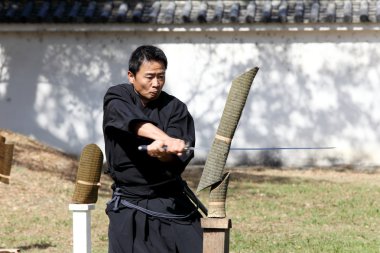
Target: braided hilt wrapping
pixel 6 157
pixel 216 160
pixel 88 175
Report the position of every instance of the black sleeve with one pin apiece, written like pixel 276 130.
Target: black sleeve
pixel 181 126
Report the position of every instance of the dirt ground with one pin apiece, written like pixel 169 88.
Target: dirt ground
pixel 37 156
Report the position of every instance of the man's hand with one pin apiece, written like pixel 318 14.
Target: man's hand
pixel 165 149
pixel 163 146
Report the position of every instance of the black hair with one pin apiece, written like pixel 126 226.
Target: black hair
pixel 146 53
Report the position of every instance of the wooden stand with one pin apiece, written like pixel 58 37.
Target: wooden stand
pixel 81 227
pixel 216 235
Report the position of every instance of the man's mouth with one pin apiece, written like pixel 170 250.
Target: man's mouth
pixel 154 93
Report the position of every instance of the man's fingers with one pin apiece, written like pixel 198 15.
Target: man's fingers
pixel 163 148
pixel 175 146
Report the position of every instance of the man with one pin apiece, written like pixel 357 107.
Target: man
pixel 149 212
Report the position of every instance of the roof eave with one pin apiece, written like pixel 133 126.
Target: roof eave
pixel 253 27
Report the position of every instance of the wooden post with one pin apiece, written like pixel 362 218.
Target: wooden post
pixel 81 227
pixel 6 157
pixel 216 235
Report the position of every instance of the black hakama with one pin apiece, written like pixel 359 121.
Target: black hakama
pixel 149 211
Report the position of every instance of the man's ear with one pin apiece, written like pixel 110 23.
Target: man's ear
pixel 131 77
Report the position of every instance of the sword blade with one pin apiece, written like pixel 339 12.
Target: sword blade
pixel 145 148
pixel 281 148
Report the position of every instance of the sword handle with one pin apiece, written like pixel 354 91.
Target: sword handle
pixel 145 148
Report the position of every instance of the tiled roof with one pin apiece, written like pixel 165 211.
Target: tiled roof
pixel 190 11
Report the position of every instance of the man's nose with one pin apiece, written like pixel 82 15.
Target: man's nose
pixel 155 82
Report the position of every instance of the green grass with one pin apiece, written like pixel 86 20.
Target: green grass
pixel 273 215
pixel 304 216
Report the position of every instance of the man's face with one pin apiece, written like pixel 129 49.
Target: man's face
pixel 149 80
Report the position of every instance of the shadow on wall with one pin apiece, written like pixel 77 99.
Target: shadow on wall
pixel 52 88
pixel 312 89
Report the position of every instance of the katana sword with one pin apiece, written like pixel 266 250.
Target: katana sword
pixel 145 148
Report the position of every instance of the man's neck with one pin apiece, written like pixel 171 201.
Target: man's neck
pixel 143 101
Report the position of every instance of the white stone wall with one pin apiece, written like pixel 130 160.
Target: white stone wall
pixel 314 88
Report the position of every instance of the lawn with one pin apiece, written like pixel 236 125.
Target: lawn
pixel 271 211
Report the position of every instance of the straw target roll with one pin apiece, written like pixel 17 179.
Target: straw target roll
pixel 88 175
pixel 217 198
pixel 216 159
pixel 6 157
